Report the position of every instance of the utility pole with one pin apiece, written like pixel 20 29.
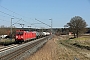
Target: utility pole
pixel 51 25
pixel 11 28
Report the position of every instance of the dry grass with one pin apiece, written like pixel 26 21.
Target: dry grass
pixel 66 53
pixel 53 50
pixel 47 52
pixel 83 40
pixel 71 53
pixel 6 41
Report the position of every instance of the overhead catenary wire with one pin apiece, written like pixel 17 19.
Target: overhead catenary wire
pixel 42 22
pixel 6 14
pixel 9 15
pixel 11 11
pixel 4 20
pixel 20 15
pixel 13 17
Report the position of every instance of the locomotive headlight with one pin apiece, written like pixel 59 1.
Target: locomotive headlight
pixel 21 36
pixel 16 36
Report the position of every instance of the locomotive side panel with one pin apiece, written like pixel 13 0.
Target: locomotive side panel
pixel 34 35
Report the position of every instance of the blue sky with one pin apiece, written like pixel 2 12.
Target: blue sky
pixel 60 11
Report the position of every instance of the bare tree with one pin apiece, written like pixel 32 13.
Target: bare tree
pixel 77 25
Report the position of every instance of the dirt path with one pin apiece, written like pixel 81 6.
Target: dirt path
pixel 47 52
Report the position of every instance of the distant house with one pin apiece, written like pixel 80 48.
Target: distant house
pixel 3 36
pixel 70 33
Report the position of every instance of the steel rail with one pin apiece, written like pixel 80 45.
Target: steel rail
pixel 25 47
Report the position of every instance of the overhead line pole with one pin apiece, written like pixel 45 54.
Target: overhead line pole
pixel 51 25
pixel 11 28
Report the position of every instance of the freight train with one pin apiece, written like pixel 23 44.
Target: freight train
pixel 22 36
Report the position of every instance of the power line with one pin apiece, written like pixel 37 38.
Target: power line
pixel 9 15
pixel 11 11
pixel 4 20
pixel 42 22
pixel 17 21
pixel 6 13
pixel 2 16
pixel 22 16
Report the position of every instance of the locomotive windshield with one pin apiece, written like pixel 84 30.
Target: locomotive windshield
pixel 19 33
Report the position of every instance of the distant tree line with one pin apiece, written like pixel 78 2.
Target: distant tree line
pixel 2 26
pixel 77 25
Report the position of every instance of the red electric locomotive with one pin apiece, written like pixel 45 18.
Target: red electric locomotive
pixel 22 35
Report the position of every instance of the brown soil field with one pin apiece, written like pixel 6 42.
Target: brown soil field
pixel 53 50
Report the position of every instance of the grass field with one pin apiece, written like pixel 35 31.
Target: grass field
pixel 53 50
pixel 6 41
pixel 83 40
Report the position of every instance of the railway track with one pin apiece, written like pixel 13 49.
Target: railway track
pixel 3 48
pixel 13 51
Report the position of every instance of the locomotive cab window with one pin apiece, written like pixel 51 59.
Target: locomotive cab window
pixel 19 33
